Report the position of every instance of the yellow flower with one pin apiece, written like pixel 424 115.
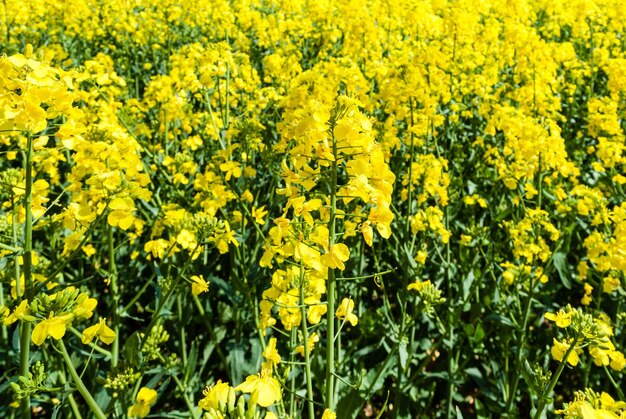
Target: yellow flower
pixel 270 353
pixel 313 339
pixel 122 213
pixel 52 326
pixel 213 395
pixel 21 312
pixel 336 256
pixel 231 168
pixel 610 284
pixel 368 233
pixel 198 285
pixel 100 330
pixel 145 399
pixel 560 348
pixel 259 214
pixel 418 285
pixel 85 306
pixel 329 414
pixel 345 311
pixel 263 388
pixel 618 361
pixel 561 318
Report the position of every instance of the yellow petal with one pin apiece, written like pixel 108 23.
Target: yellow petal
pixel 56 327
pixel 107 335
pixel 90 333
pixel 147 396
pixel 39 334
pixel 268 392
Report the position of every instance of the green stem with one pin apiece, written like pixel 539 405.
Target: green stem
pixel 165 299
pixel 307 355
pixel 70 397
pixel 25 327
pixel 80 386
pixel 292 384
pixel 520 348
pixel 190 406
pixel 209 326
pixel 330 287
pixel 115 299
pixel 620 393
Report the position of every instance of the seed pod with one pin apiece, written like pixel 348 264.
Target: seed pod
pixel 241 407
pixel 232 399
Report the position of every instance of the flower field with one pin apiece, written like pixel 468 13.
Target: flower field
pixel 312 209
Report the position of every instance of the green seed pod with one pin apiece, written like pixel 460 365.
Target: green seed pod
pixel 241 407
pixel 15 386
pixel 29 318
pixel 232 399
pixel 34 305
pixel 251 412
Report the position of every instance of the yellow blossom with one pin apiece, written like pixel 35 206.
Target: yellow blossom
pixel 146 398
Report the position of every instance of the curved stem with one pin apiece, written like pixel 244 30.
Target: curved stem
pixel 80 386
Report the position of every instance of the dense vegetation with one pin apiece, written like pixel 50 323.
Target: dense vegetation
pixel 336 209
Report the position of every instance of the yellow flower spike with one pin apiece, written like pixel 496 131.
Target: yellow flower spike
pixel 329 414
pixel 100 330
pixel 214 395
pixel 53 326
pixel 345 311
pixel 561 318
pixel 198 285
pixel 146 398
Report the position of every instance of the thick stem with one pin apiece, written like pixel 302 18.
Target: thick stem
pixel 25 327
pixel 330 289
pixel 80 386
pixel 115 298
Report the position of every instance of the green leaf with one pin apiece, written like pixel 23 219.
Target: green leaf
pixel 403 355
pixel 131 351
pixel 236 359
pixel 192 360
pixel 562 267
